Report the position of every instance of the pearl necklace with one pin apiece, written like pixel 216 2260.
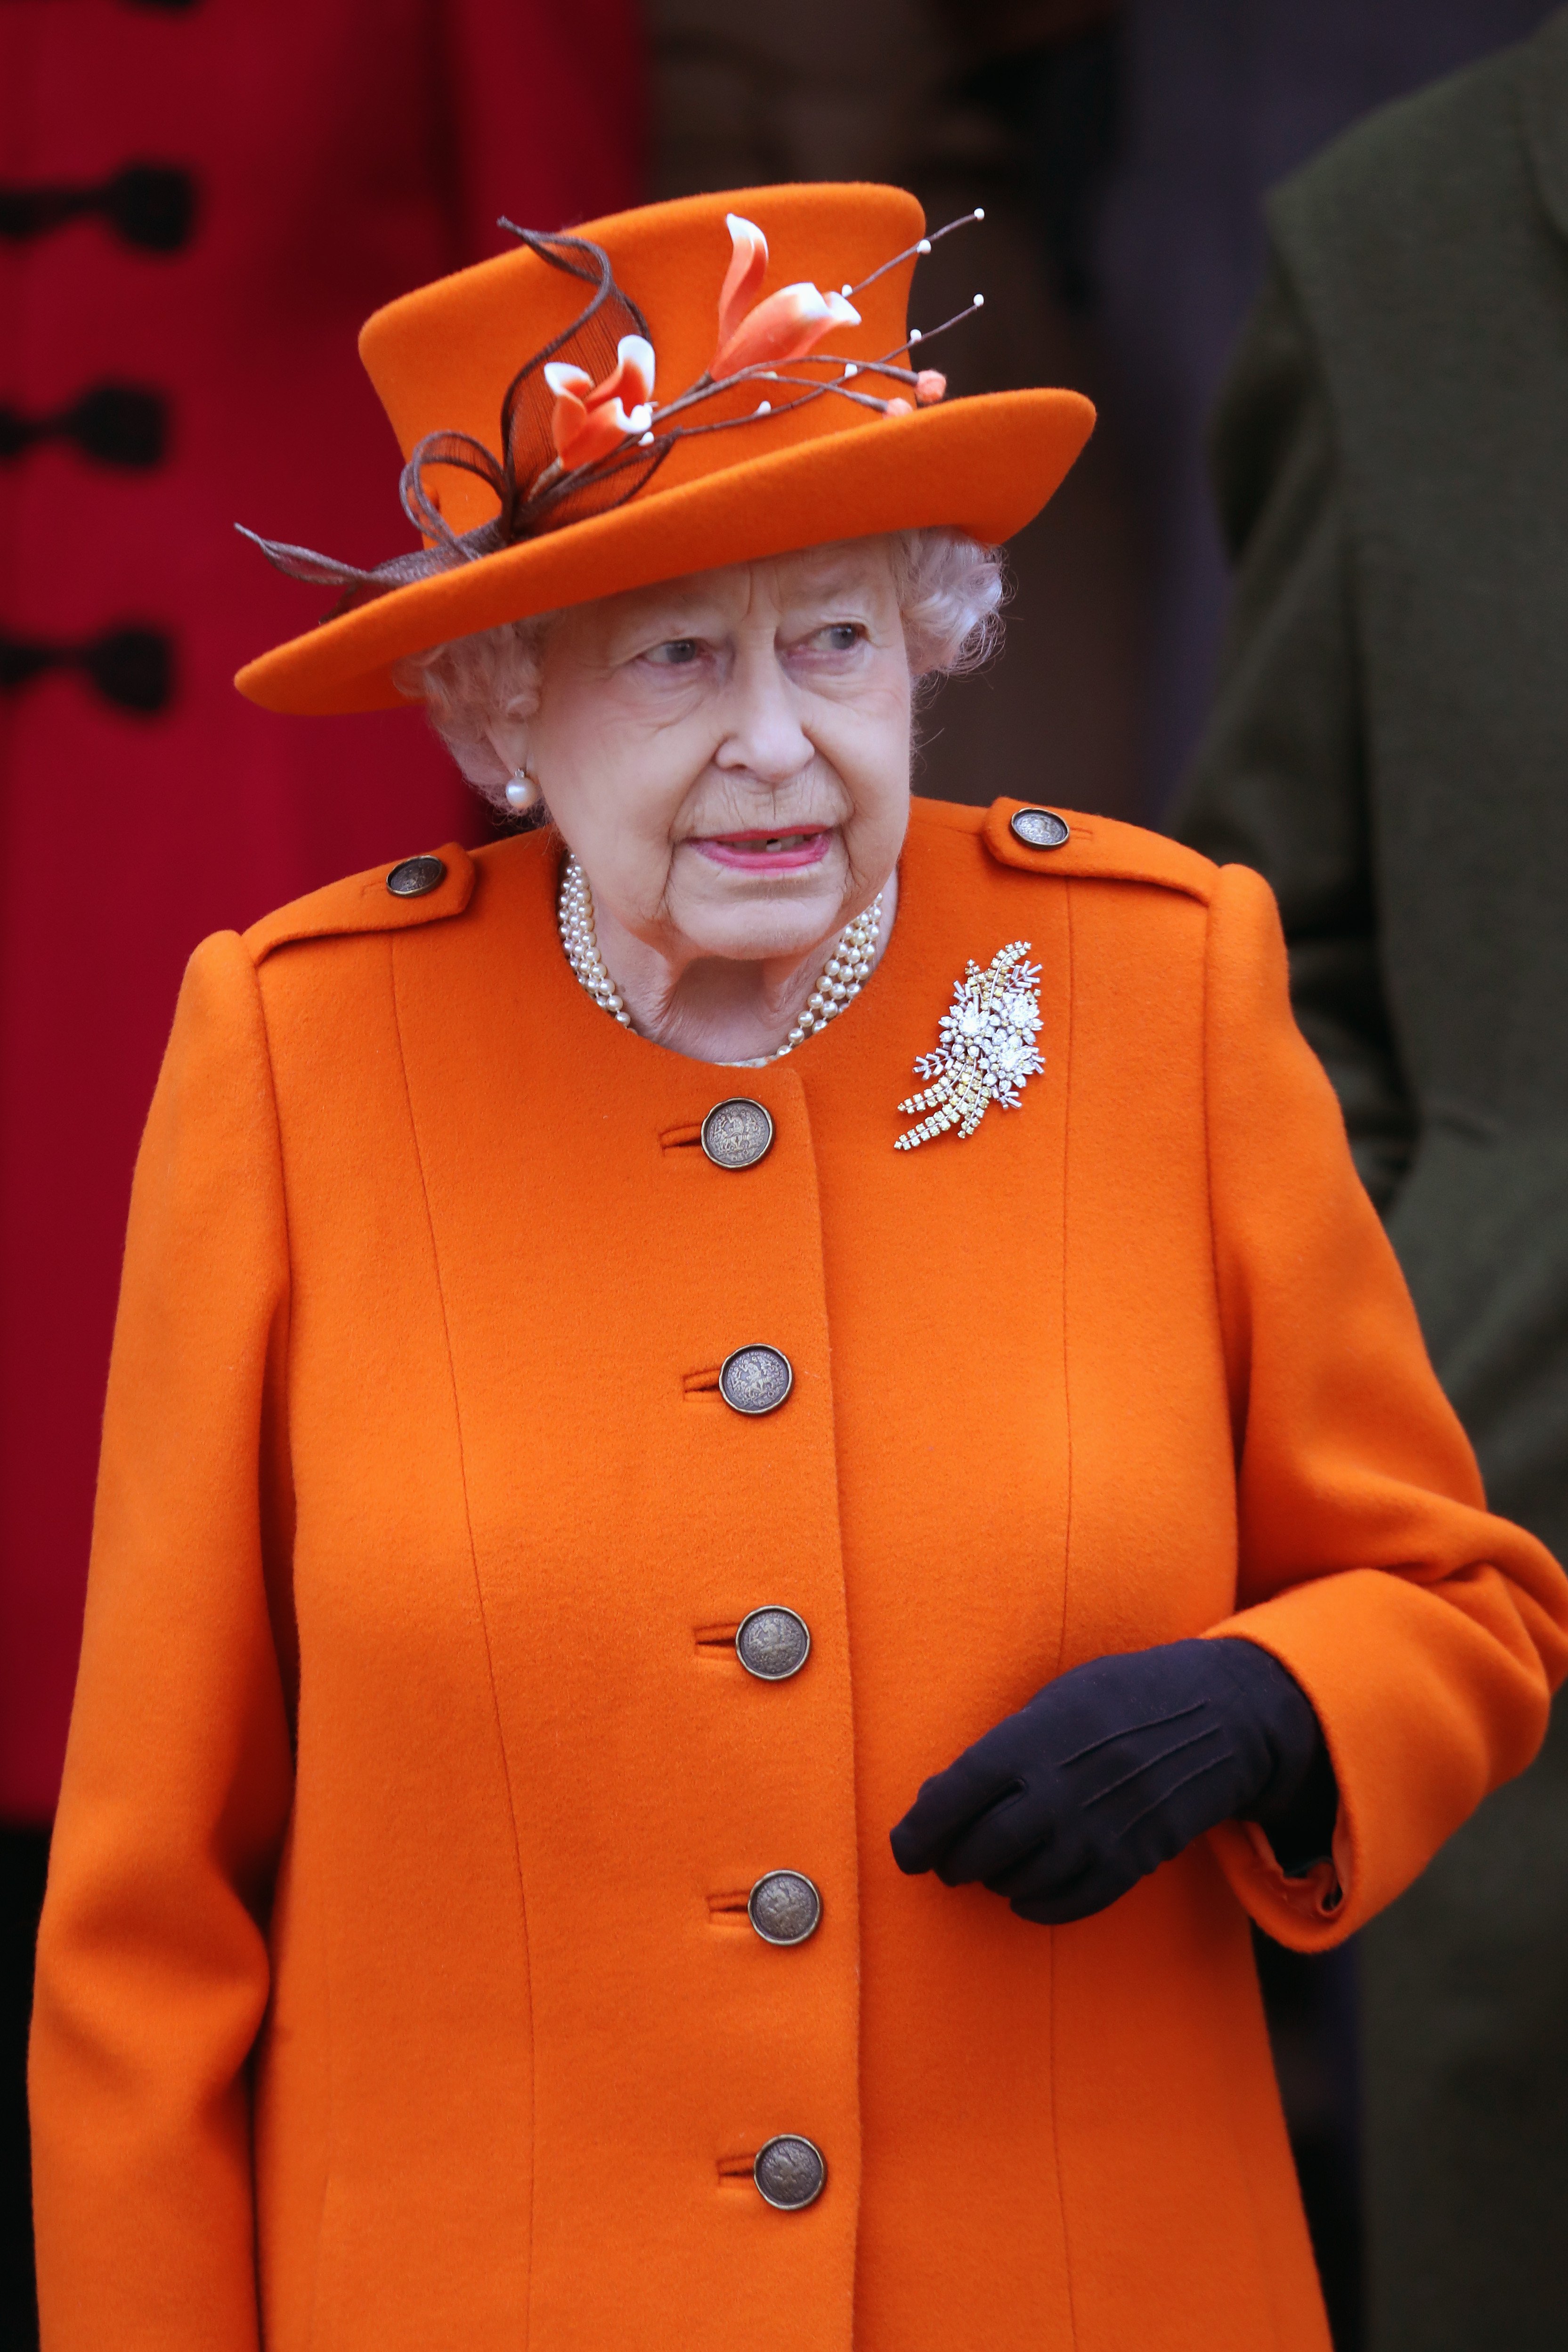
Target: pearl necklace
pixel 844 975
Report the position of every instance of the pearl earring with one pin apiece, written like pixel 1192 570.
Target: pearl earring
pixel 522 792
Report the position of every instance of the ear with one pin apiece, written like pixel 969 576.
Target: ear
pixel 509 739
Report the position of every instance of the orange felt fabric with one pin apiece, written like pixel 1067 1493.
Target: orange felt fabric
pixel 457 2017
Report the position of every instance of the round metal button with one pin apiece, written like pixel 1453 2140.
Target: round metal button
pixel 773 1644
pixel 737 1133
pixel 1038 828
pixel 416 877
pixel 784 1907
pixel 755 1380
pixel 790 2172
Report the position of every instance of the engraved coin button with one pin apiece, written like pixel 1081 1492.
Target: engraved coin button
pixel 755 1380
pixel 416 877
pixel 790 2172
pixel 784 1907
pixel 736 1133
pixel 773 1644
pixel 1038 828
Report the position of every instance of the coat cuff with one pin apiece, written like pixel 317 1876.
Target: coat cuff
pixel 1309 1913
pixel 1425 1703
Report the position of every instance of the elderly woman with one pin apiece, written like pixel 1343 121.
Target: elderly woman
pixel 743 1318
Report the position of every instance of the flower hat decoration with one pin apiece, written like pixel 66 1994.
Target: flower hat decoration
pixel 567 493
pixel 589 420
pixel 753 333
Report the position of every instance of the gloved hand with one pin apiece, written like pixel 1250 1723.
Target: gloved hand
pixel 1117 1766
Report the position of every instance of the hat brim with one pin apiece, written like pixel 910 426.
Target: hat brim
pixel 985 466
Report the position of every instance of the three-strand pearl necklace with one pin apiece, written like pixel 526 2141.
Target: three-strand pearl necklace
pixel 843 976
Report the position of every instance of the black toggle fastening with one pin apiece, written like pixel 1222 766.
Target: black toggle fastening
pixel 117 424
pixel 151 206
pixel 131 667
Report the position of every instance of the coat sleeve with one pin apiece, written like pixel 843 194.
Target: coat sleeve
pixel 1279 781
pixel 152 1961
pixel 1428 1634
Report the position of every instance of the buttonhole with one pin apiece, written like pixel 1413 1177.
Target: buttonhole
pixel 682 1138
pixel 737 2167
pixel 694 1386
pixel 727 1910
pixel 718 1641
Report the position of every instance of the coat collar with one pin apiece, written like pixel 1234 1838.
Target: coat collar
pixel 1543 99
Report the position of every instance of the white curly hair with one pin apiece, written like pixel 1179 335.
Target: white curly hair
pixel 949 589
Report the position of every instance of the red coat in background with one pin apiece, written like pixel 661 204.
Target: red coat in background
pixel 304 161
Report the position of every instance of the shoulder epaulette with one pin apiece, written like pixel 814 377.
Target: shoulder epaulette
pixel 388 899
pixel 1048 841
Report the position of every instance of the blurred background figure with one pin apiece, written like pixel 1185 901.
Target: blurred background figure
pixel 200 200
pixel 1389 747
pixel 1216 100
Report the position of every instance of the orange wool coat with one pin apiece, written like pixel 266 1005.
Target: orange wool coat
pixel 395 1988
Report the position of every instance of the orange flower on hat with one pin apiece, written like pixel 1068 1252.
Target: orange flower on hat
pixel 785 327
pixel 592 419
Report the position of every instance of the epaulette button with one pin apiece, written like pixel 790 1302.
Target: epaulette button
pixel 1038 828
pixel 416 877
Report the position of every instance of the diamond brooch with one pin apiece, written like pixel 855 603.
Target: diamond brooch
pixel 987 1051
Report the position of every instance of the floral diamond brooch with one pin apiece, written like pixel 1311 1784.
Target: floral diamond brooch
pixel 986 1051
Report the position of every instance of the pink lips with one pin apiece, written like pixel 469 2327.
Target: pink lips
pixel 758 851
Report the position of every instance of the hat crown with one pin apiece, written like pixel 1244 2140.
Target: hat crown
pixel 442 358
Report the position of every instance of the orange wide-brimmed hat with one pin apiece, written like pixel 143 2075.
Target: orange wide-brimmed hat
pixel 684 386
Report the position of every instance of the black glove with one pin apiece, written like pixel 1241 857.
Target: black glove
pixel 1117 1766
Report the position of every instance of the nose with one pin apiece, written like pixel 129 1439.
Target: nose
pixel 763 735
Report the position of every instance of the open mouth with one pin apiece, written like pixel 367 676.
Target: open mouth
pixel 757 851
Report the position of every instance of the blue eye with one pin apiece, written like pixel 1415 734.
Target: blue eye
pixel 842 636
pixel 677 653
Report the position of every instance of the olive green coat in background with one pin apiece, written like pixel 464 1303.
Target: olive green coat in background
pixel 1389 746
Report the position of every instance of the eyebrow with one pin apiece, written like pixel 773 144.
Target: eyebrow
pixel 674 621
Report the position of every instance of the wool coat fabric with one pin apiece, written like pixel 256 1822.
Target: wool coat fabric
pixel 395 1984
pixel 319 156
pixel 1388 746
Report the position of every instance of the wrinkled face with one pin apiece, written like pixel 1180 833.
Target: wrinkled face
pixel 728 754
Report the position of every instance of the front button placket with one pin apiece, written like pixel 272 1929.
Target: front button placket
pixel 772 1643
